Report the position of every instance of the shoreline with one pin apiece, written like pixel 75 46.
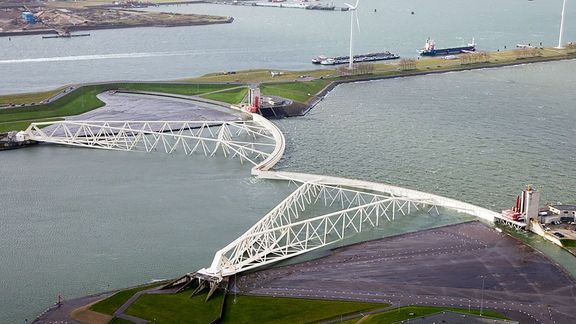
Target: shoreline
pixel 22 102
pixel 268 275
pixel 228 20
pixel 478 66
pixel 322 93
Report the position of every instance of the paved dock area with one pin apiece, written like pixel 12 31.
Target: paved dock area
pixel 467 265
pixel 61 313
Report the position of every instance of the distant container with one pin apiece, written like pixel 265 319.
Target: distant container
pixel 28 17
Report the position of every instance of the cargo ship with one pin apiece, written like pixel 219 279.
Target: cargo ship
pixel 324 60
pixel 431 50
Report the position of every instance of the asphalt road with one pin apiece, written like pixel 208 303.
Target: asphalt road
pixel 467 265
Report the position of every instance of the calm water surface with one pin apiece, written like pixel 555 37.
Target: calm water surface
pixel 79 221
pixel 274 38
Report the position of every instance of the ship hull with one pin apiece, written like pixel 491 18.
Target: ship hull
pixel 448 51
pixel 357 58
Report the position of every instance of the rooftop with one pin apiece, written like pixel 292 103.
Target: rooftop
pixel 567 207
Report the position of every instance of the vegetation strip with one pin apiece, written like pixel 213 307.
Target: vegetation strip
pixel 84 99
pixel 177 308
pixel 182 307
pixel 111 304
pixel 305 87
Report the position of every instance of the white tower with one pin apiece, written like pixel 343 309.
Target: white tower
pixel 562 25
pixel 532 204
pixel 353 13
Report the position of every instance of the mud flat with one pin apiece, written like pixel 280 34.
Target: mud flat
pixel 61 21
pixel 468 265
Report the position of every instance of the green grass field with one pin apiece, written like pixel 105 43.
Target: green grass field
pixel 26 98
pixel 112 303
pixel 20 125
pixel 232 96
pixel 253 309
pixel 300 91
pixel 84 99
pixel 568 242
pixel 181 307
pixel 404 313
pixel 177 308
pixel 184 308
pixel 176 88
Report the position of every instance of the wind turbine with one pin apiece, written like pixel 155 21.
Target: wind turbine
pixel 353 13
pixel 562 25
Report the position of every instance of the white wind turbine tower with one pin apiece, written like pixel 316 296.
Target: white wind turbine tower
pixel 353 13
pixel 562 25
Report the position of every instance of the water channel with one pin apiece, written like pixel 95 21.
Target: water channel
pixel 274 38
pixel 78 221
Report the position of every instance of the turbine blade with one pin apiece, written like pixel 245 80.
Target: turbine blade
pixel 357 22
pixel 349 6
pixel 356 6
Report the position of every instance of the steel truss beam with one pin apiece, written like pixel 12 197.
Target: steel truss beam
pixel 282 233
pixel 247 140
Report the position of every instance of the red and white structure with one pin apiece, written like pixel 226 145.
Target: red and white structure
pixel 524 211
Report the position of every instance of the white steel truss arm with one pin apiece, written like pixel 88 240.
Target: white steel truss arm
pixel 282 234
pixel 247 140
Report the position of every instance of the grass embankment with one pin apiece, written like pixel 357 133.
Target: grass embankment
pixel 27 98
pixel 177 308
pixel 260 76
pixel 290 85
pixel 84 99
pixel 253 309
pixel 568 243
pixel 300 91
pixel 76 102
pixel 232 96
pixel 410 312
pixel 112 303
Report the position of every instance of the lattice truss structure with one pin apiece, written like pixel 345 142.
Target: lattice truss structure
pixel 289 229
pixel 246 140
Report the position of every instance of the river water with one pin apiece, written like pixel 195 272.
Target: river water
pixel 274 38
pixel 76 221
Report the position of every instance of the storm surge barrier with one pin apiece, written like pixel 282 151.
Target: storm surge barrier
pixel 246 140
pixel 321 211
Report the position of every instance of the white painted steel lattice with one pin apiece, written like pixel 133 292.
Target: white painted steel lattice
pixel 247 140
pixel 282 233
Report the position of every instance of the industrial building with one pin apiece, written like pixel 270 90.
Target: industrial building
pixel 559 213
